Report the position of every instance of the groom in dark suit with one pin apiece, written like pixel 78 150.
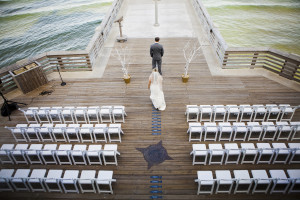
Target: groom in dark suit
pixel 156 52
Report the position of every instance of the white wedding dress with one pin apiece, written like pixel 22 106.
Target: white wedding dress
pixel 157 95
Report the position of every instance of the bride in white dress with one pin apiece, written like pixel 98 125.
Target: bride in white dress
pixel 157 94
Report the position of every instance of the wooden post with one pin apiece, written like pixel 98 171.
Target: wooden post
pixel 225 60
pixel 60 63
pixel 1 87
pixel 254 60
pixel 120 27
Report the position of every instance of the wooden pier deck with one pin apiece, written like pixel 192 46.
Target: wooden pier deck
pixel 132 175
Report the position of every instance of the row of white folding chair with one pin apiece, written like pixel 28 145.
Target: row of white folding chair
pixel 260 182
pixel 67 133
pixel 71 114
pixel 67 181
pixel 62 154
pixel 240 131
pixel 279 153
pixel 235 113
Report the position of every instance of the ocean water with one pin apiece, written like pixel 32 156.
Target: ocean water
pixel 258 23
pixel 31 27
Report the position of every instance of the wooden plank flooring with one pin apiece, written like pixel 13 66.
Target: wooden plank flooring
pixel 133 177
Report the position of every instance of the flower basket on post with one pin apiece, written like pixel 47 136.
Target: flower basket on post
pixel 123 55
pixel 190 51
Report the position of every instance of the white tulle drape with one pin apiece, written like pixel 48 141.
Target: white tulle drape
pixel 157 94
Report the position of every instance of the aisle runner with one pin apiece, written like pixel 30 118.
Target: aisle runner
pixel 156 122
pixel 156 188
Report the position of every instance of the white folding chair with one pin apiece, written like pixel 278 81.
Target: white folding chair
pixel 295 157
pixel 206 182
pixel 211 131
pixel 249 153
pixel 273 112
pixel 260 112
pixel 105 114
pixel 45 133
pixel 78 154
pixel 43 114
pixel 294 174
pixel 55 115
pixel 233 153
pixel 68 114
pixel 86 181
pixel 266 153
pixel 269 131
pixel 262 181
pixel 199 153
pixel 233 113
pixel 100 133
pixel 104 181
pixel 94 154
pixel 192 113
pixel 243 181
pixel 33 154
pixel 284 130
pixel 206 113
pixel 52 182
pixel 226 131
pixel 19 132
pixel 295 130
pixel 81 115
pixel 255 131
pixel 240 131
pixel 219 113
pixel 86 133
pixel 59 133
pixel 30 114
pixel 36 179
pixel 246 113
pixel 93 114
pixel 19 180
pixel 282 154
pixel 224 181
pixel 118 113
pixel 280 182
pixel 110 153
pixel 72 133
pixel 195 131
pixel 18 154
pixel 5 154
pixel 114 132
pixel 69 181
pixel 48 154
pixel 63 154
pixel 5 176
pixel 32 133
pixel 287 112
pixel 216 154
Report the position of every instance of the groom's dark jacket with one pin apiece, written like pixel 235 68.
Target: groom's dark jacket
pixel 156 51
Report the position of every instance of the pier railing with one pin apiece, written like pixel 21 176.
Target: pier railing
pixel 102 32
pixel 281 63
pixel 284 64
pixel 65 60
pixel 212 32
pixel 81 60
